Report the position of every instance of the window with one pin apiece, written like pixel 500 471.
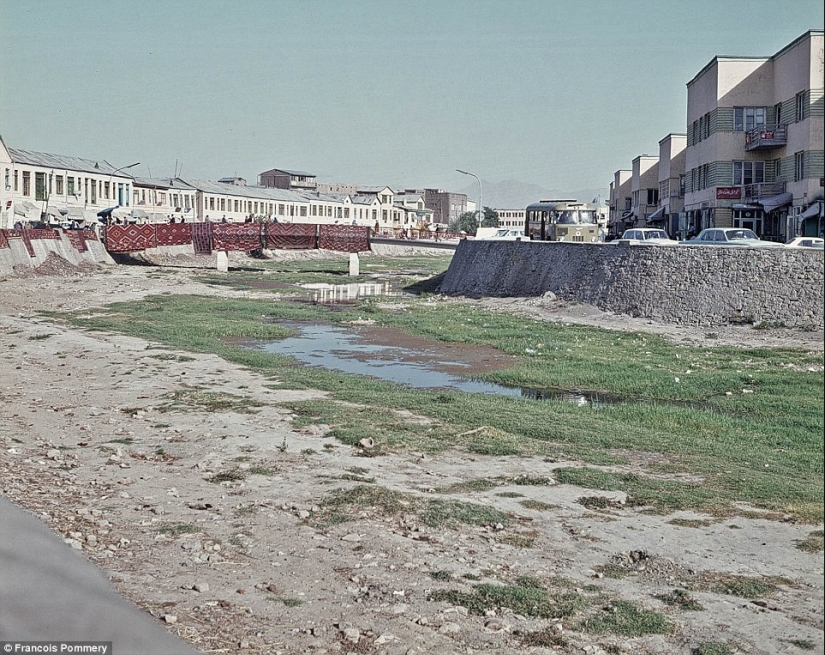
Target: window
pixel 748 172
pixel 314 210
pixel 70 185
pixel 747 118
pixel 799 166
pixel 653 196
pixel 39 186
pixel 27 183
pixel 706 133
pixel 58 185
pixel 93 197
pixel 15 181
pixel 303 210
pixel 800 106
pixel 281 209
pixel 106 190
pixel 223 204
pixel 777 111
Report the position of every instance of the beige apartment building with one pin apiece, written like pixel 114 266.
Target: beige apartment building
pixel 670 215
pixel 754 152
pixel 644 189
pixel 621 203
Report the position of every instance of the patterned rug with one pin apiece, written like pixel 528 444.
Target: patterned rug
pixel 202 238
pixel 344 238
pixel 78 240
pixel 299 236
pixel 236 236
pixel 4 240
pixel 130 238
pixel 173 234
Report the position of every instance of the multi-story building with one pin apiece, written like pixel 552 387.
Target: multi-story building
pixel 446 206
pixel 281 178
pixel 621 203
pixel 644 189
pixel 670 214
pixel 512 219
pixel 754 153
pixel 57 189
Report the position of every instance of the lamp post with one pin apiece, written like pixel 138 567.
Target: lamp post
pixel 122 168
pixel 480 196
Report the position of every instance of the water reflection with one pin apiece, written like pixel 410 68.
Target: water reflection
pixel 339 349
pixel 328 294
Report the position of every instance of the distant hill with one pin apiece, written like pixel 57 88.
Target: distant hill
pixel 512 194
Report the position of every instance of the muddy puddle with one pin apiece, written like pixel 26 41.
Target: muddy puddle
pixel 418 363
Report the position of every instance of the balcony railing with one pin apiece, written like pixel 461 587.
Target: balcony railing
pixel 753 192
pixel 766 137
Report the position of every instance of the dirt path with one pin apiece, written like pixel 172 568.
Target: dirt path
pixel 93 442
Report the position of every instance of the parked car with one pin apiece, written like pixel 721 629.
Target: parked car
pixel 728 236
pixel 505 234
pixel 648 235
pixel 806 242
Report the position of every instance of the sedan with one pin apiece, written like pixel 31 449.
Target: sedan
pixel 647 235
pixel 728 236
pixel 806 242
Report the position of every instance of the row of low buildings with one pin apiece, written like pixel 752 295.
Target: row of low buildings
pixel 42 188
pixel 751 156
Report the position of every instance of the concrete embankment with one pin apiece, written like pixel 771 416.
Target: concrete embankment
pixel 17 259
pixel 689 285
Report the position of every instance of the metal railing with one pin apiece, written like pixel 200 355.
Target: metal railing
pixel 762 190
pixel 766 137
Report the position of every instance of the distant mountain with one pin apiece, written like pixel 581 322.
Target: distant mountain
pixel 512 194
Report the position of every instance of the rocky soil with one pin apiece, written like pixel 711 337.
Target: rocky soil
pixel 214 521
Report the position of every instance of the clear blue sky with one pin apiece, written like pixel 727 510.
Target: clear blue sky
pixel 556 93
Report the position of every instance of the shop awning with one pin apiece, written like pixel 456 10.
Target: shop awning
pixel 771 203
pixel 106 212
pixel 739 205
pixel 658 215
pixel 55 212
pixel 138 213
pixel 813 211
pixel 74 212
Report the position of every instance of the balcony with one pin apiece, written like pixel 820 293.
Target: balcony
pixel 766 137
pixel 753 192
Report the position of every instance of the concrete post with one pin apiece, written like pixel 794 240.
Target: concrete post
pixel 354 265
pixel 223 261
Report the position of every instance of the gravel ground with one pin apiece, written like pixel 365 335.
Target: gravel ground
pixel 210 521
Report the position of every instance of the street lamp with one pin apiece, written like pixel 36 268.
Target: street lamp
pixel 480 196
pixel 122 168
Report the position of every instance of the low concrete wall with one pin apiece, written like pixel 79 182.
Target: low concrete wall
pixel 691 285
pixel 16 258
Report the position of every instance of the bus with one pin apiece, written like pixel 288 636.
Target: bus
pixel 561 220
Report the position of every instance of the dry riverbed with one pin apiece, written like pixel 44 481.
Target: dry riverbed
pixel 218 522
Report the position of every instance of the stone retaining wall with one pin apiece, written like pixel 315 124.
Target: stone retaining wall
pixel 691 285
pixel 15 257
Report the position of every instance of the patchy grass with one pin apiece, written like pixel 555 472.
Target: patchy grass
pixel 194 399
pixel 176 529
pixel 681 599
pixel 525 596
pixel 538 505
pixel 691 523
pixel 813 543
pixel 599 502
pixel 626 619
pixel 763 448
pixel 347 504
pixel 235 475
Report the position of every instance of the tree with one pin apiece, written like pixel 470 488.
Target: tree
pixel 490 218
pixel 468 221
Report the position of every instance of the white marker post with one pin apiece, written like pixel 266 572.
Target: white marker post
pixel 354 265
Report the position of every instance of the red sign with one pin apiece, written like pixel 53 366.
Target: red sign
pixel 728 192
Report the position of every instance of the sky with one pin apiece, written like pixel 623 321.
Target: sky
pixel 558 93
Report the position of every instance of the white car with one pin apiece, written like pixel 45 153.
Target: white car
pixel 647 235
pixel 506 235
pixel 806 242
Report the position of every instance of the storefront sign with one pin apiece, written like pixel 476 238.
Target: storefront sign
pixel 728 192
